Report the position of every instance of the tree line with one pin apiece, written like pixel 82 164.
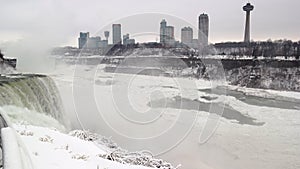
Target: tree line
pixel 267 49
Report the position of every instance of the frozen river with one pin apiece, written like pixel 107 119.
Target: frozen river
pixel 245 128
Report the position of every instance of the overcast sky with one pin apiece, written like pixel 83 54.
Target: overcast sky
pixel 60 21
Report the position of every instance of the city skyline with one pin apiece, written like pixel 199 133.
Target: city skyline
pixel 166 35
pixel 53 20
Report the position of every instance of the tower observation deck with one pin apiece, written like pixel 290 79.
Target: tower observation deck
pixel 247 8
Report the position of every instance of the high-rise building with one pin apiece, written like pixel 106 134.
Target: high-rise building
pixel 162 34
pixel 166 33
pixel 170 35
pixel 116 29
pixel 187 35
pixel 83 38
pixel 248 8
pixel 203 29
pixel 85 41
pixel 93 42
pixel 127 40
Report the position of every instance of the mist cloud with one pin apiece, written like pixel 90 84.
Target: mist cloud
pixel 31 27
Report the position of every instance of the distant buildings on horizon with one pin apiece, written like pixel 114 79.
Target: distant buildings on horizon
pixel 85 40
pixel 116 32
pixel 187 35
pixel 166 34
pixel 203 29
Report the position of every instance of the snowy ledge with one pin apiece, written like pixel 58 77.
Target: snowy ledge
pixel 49 148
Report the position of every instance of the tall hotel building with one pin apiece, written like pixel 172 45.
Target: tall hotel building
pixel 83 38
pixel 187 36
pixel 116 33
pixel 166 33
pixel 203 29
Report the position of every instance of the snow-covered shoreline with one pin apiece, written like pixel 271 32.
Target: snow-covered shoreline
pixel 52 148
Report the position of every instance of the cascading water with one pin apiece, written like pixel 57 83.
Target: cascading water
pixel 34 93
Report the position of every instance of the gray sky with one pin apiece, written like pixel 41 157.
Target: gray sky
pixel 58 22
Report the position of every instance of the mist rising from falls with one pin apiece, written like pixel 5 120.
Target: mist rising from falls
pixel 34 93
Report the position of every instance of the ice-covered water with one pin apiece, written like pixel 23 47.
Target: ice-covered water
pixel 165 115
pixel 117 106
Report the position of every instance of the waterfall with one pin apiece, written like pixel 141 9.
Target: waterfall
pixel 33 92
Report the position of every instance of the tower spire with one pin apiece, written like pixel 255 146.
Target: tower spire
pixel 247 8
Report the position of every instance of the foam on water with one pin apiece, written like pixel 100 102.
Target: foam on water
pixel 21 115
pixel 31 98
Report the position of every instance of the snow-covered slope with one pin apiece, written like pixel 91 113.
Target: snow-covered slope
pixel 51 149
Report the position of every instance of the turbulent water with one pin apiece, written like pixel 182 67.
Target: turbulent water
pixel 31 93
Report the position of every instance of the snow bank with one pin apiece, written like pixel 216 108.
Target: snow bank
pixel 10 148
pixel 120 155
pixel 51 149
